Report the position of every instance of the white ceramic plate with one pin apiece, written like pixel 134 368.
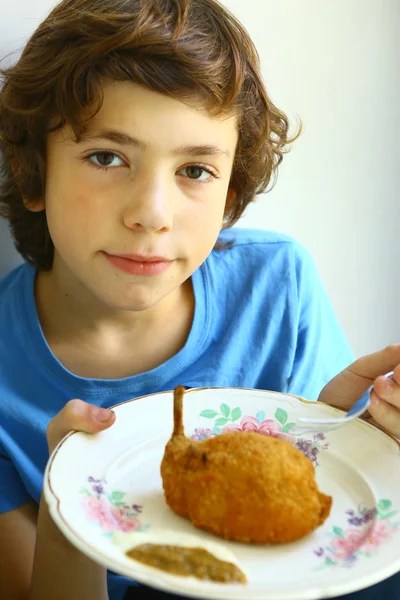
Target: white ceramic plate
pixel 98 485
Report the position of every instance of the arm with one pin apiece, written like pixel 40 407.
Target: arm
pixel 17 543
pixel 323 359
pixel 60 570
pixel 37 562
pixel 321 348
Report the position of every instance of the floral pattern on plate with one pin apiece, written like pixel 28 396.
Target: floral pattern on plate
pixel 279 427
pixel 128 456
pixel 110 511
pixel 367 529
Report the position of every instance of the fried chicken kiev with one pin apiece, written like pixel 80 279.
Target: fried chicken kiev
pixel 242 486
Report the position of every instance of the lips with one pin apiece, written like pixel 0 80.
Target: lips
pixel 140 258
pixel 136 264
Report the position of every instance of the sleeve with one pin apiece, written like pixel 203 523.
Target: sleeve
pixel 322 350
pixel 12 490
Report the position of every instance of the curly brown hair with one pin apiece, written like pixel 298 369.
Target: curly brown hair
pixel 182 48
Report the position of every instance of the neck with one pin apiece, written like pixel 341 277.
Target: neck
pixel 91 340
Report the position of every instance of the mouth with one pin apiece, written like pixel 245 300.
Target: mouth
pixel 141 258
pixel 137 264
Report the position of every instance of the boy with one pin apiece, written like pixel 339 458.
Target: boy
pixel 132 133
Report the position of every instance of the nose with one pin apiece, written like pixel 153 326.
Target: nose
pixel 150 207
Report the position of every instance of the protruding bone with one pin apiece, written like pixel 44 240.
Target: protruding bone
pixel 178 416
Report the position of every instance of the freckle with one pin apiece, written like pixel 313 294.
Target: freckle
pixel 204 457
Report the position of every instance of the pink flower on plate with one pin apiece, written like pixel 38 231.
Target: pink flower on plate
pixel 98 510
pixel 266 427
pixel 125 523
pixel 380 532
pixel 347 545
pixel 108 517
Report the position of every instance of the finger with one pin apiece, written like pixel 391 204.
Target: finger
pixel 371 366
pixel 344 389
pixel 80 416
pixel 388 390
pixel 385 414
pixel 396 374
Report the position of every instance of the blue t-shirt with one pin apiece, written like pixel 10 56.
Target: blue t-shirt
pixel 262 320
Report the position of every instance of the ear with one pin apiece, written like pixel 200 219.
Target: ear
pixel 34 205
pixel 230 197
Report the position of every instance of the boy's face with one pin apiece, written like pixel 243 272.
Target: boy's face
pixel 136 206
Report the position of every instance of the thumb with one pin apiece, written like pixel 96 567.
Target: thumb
pixel 79 416
pixel 345 389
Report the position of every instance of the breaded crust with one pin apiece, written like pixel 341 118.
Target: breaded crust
pixel 243 486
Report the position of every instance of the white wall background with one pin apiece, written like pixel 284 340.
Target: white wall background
pixel 336 64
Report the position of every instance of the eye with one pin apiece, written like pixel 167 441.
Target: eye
pixel 105 160
pixel 200 173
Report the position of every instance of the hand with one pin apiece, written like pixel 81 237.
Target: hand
pixel 80 416
pixel 345 389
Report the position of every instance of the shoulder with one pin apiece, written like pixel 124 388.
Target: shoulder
pixel 15 285
pixel 263 267
pixel 260 251
pixel 239 237
pixel 257 269
pixel 11 283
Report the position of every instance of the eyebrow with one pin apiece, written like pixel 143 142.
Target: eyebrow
pixel 126 140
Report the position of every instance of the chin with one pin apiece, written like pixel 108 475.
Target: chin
pixel 136 303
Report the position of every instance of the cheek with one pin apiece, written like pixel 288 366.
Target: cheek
pixel 72 216
pixel 75 202
pixel 200 226
pixel 207 213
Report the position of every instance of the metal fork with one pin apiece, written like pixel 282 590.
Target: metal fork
pixel 323 424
